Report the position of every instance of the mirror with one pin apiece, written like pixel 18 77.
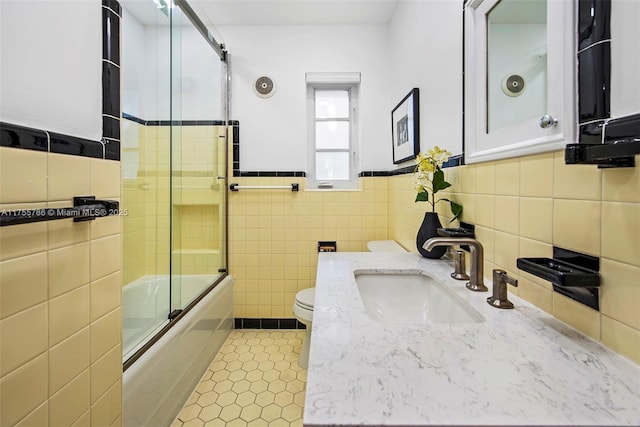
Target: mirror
pixel 516 62
pixel 519 88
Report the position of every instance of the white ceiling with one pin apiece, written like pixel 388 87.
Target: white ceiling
pixel 275 12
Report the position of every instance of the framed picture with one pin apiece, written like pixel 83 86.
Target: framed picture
pixel 405 127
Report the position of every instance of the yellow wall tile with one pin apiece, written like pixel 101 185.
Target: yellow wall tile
pixel 23 239
pixel 105 333
pixel 619 292
pixel 24 283
pixel 105 178
pixel 621 184
pixel 621 231
pixel 68 176
pixel 106 295
pixel 23 336
pixel 576 225
pixel 577 315
pixel 508 177
pixel 485 178
pixel 486 236
pixel 108 407
pixel 621 338
pixel 537 295
pixel 68 314
pixel 105 372
pixel 535 249
pixel 66 232
pixel 68 268
pixel 507 214
pixel 536 175
pixel 485 210
pixel 507 249
pixel 39 417
pixel 68 404
pixel 467 177
pixel 576 181
pixel 536 218
pixel 106 256
pixel 23 390
pixel 23 174
pixel 68 359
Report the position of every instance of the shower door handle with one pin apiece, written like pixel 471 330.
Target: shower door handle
pixel 547 121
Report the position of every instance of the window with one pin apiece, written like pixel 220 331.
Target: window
pixel 332 129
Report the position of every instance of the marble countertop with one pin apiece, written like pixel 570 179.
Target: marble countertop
pixel 518 367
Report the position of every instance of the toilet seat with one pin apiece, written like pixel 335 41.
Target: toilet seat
pixel 305 298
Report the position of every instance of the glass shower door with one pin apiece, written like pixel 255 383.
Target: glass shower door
pixel 198 158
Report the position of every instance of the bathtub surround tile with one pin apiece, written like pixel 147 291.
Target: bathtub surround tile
pixel 26 170
pixel 255 379
pixel 68 359
pixel 23 336
pixel 24 283
pixel 23 390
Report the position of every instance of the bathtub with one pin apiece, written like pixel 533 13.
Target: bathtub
pixel 146 302
pixel 156 386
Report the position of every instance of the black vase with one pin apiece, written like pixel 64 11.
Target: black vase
pixel 427 230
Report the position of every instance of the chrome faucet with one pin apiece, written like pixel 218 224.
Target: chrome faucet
pixel 476 282
pixel 499 298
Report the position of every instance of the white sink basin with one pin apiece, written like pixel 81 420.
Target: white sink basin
pixel 411 296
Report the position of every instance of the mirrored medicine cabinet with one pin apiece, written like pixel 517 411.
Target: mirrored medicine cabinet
pixel 519 77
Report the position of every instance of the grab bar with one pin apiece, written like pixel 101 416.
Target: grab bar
pixel 85 208
pixel 236 187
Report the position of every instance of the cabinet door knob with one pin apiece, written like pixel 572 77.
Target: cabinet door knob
pixel 547 121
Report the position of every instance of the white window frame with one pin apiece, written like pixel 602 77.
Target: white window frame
pixel 332 81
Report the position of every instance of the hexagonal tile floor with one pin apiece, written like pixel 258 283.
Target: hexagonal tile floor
pixel 254 380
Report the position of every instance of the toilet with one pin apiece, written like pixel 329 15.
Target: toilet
pixel 303 311
pixel 303 305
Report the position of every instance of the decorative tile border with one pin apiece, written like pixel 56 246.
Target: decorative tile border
pixel 264 323
pixel 177 122
pixel 28 138
pixel 603 141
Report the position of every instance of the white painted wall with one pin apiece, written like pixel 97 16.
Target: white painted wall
pixel 50 65
pixel 134 64
pixel 426 52
pixel 273 131
pixel 625 57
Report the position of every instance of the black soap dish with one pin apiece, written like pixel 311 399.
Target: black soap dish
pixel 560 273
pixel 465 230
pixel 572 274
